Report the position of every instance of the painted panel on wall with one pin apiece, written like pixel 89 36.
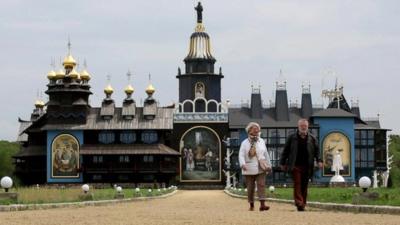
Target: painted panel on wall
pixel 65 157
pixel 201 155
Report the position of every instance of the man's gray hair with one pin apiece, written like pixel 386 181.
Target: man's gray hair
pixel 251 125
pixel 303 120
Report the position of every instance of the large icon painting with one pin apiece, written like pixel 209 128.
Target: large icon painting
pixel 336 154
pixel 65 157
pixel 200 148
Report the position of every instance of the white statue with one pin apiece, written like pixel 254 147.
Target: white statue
pixel 337 164
pixel 385 174
pixel 375 179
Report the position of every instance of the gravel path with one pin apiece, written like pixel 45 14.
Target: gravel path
pixel 191 207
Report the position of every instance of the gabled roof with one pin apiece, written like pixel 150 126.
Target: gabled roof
pixel 333 112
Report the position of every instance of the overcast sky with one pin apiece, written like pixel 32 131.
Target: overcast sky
pixel 252 40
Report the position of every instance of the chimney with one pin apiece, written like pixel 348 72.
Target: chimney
pixel 281 102
pixel 256 103
pixel 306 102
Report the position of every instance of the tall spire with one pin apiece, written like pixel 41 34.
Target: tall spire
pixel 200 46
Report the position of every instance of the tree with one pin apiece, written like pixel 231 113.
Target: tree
pixel 394 149
pixel 7 150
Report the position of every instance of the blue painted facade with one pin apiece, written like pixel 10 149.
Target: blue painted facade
pixel 344 126
pixel 50 137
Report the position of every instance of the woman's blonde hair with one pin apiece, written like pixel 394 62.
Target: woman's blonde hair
pixel 251 125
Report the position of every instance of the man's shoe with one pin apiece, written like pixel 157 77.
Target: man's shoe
pixel 300 208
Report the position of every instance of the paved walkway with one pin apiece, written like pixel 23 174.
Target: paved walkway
pixel 191 207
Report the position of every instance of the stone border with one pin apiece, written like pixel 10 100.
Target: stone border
pixel 377 209
pixel 22 207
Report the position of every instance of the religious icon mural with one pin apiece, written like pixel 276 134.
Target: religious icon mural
pixel 199 90
pixel 336 155
pixel 201 152
pixel 65 156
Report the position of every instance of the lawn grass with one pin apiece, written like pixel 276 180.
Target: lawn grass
pixel 387 196
pixel 35 195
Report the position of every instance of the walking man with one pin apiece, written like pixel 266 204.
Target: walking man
pixel 297 158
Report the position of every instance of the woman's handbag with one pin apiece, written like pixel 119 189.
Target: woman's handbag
pixel 263 165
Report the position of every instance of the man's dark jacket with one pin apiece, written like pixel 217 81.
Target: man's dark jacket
pixel 289 153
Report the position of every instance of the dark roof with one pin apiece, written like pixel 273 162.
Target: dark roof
pixel 32 150
pixel 162 121
pixel 240 117
pixel 23 137
pixel 370 125
pixel 333 112
pixel 123 149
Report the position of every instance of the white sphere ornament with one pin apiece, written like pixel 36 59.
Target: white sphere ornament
pixel 6 183
pixel 364 183
pixel 137 189
pixel 149 190
pixel 85 188
pixel 271 189
pixel 119 189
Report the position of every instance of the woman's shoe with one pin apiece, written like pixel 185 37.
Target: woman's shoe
pixel 251 207
pixel 264 208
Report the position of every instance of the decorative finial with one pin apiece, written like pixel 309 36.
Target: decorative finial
pixel 150 88
pixel 108 90
pixel 129 74
pixel 129 89
pixel 69 46
pixel 199 9
pixel 53 63
pixel 108 78
pixel 84 64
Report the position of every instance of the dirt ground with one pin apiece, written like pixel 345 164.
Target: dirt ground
pixel 191 207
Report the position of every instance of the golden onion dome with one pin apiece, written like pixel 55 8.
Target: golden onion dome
pixel 69 61
pixel 150 89
pixel 60 74
pixel 85 75
pixel 51 75
pixel 108 90
pixel 73 74
pixel 39 103
pixel 129 89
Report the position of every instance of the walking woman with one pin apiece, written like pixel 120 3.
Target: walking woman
pixel 255 162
